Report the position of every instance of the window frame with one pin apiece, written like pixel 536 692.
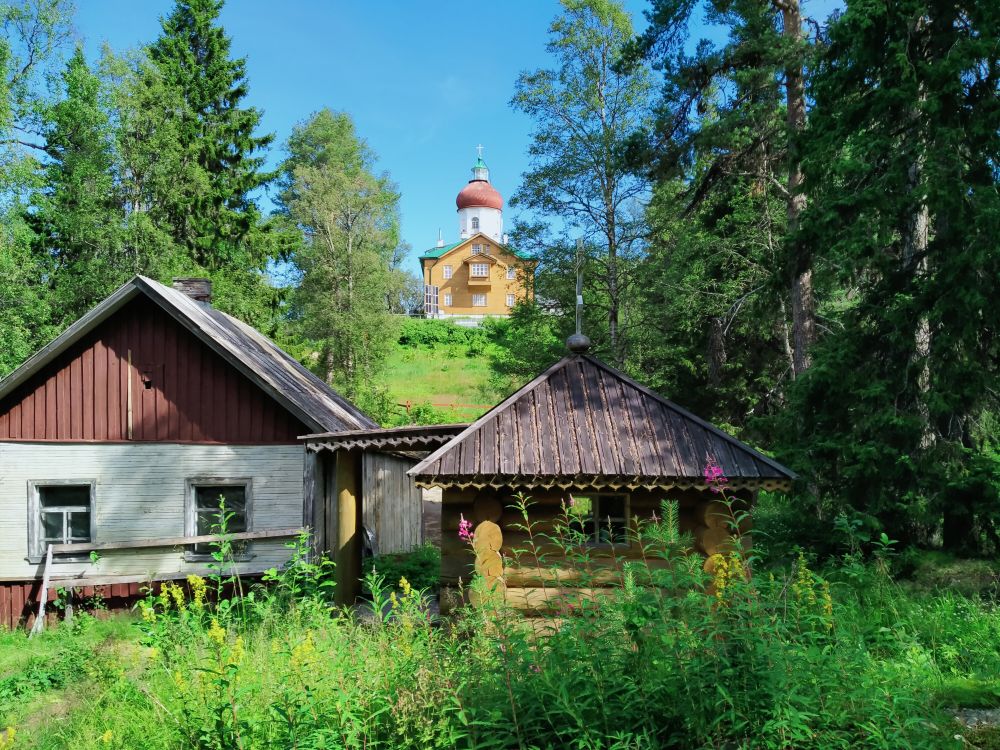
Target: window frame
pixel 475 223
pixel 478 296
pixel 477 249
pixel 191 485
pixel 511 273
pixel 447 300
pixel 35 551
pixel 446 271
pixel 474 266
pixel 594 539
pixel 511 300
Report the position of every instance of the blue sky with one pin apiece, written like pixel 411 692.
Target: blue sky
pixel 424 81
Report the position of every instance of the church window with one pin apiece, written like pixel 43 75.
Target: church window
pixel 479 300
pixel 475 223
pixel 446 271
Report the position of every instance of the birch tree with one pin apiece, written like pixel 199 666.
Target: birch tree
pixel 349 219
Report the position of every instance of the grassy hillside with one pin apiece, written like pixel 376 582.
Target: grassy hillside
pixel 442 370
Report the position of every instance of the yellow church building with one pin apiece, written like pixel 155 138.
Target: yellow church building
pixel 480 275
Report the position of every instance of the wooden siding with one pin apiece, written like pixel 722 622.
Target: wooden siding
pixel 178 389
pixel 140 494
pixel 392 505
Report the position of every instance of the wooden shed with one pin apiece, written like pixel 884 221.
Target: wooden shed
pixel 582 429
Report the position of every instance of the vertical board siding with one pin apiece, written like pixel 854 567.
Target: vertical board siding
pixel 140 494
pixel 392 505
pixel 193 395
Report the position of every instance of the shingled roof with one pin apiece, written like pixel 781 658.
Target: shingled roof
pixel 581 423
pixel 261 360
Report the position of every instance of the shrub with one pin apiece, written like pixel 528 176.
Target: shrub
pixel 421 567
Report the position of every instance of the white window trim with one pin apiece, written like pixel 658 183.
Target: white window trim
pixel 477 249
pixel 191 520
pixel 475 223
pixel 484 266
pixel 447 299
pixel 479 296
pixel 446 271
pixel 511 273
pixel 511 300
pixel 35 553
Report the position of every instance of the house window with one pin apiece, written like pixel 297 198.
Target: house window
pixel 447 299
pixel 446 271
pixel 601 518
pixel 61 512
pixel 511 273
pixel 477 249
pixel 212 503
pixel 480 270
pixel 510 300
pixel 475 223
pixel 479 300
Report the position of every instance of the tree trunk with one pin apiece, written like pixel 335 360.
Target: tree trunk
pixel 803 302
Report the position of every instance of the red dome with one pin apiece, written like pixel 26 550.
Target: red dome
pixel 479 193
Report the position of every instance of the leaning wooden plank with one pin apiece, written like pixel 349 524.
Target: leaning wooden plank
pixel 85 580
pixel 176 541
pixel 43 595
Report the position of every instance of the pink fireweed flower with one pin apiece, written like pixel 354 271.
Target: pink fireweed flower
pixel 572 501
pixel 714 476
pixel 464 529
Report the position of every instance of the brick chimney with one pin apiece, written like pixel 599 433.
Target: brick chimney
pixel 200 290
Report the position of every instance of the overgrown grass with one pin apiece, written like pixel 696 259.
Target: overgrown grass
pixel 794 657
pixel 442 370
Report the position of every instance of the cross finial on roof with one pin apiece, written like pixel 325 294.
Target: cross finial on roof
pixel 479 150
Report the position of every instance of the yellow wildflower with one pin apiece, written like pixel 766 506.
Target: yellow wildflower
pixel 107 737
pixel 148 612
pixel 721 577
pixel 7 738
pixel 179 682
pixel 216 633
pixel 303 652
pixel 236 653
pixel 198 589
pixel 154 652
pixel 164 596
pixel 827 606
pixel 178 596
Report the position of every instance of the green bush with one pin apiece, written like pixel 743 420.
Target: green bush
pixel 421 567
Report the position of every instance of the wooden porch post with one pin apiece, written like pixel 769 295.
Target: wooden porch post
pixel 347 545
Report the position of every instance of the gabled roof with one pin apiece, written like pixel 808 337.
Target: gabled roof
pixel 437 252
pixel 246 349
pixel 582 423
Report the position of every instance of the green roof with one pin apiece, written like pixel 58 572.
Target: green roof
pixel 437 252
pixel 480 164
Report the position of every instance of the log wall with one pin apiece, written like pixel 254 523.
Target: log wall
pixel 531 584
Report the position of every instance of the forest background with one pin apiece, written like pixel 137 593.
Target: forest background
pixel 791 231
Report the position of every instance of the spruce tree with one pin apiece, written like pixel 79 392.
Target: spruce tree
pixel 76 216
pixel 209 209
pixel 901 163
